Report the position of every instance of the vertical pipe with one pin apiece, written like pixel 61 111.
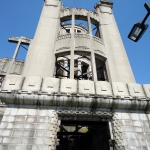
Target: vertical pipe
pixel 14 57
pixel 72 46
pixel 93 65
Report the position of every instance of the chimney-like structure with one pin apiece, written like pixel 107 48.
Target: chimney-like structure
pixel 40 60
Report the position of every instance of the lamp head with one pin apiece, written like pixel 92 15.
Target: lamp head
pixel 137 31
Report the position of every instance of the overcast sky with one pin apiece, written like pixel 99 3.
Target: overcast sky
pixel 20 18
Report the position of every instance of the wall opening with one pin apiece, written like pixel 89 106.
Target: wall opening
pixel 101 70
pixel 82 67
pixel 83 135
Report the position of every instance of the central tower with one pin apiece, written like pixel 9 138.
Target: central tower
pixel 103 47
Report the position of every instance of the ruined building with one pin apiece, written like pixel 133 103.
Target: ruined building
pixel 76 89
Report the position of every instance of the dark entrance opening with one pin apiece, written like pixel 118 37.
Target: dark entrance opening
pixel 83 135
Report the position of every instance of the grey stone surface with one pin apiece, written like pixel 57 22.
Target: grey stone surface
pixel 131 130
pixel 68 86
pixel 35 98
pixel 15 135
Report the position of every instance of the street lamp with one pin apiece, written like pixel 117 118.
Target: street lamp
pixel 139 28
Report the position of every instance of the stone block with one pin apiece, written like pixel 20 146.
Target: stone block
pixel 43 112
pixel 3 125
pixel 120 89
pixel 17 133
pixel 32 83
pixel 127 129
pixel 12 82
pixel 20 147
pixel 22 112
pixel 103 88
pixel 42 119
pixel 40 133
pixel 147 136
pixel 7 133
pixel 146 88
pixel 15 125
pixel 138 129
pixel 3 147
pixel 1 131
pixel 31 119
pixel 34 141
pixel 8 119
pixel 50 85
pixel 143 117
pixel 140 135
pixel 86 87
pixel 7 111
pixel 136 123
pixel 10 140
pixel 30 126
pixel 49 141
pixel 145 123
pixel 32 112
pixel 5 118
pixel 28 133
pixel 14 111
pixel 68 86
pixel 20 119
pixel 41 126
pixel 136 90
pixel 135 116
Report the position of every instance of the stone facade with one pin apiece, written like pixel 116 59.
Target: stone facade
pixel 72 75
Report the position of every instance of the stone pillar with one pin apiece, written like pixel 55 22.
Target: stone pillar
pixel 40 60
pixel 14 57
pixel 65 73
pixel 93 64
pixel 79 67
pixel 72 46
pixel 26 129
pixel 119 69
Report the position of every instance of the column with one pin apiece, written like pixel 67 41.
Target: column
pixel 14 57
pixel 119 69
pixel 72 45
pixel 93 64
pixel 65 73
pixel 40 60
pixel 79 67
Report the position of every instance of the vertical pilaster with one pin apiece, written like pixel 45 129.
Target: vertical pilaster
pixel 72 46
pixel 40 60
pixel 65 73
pixel 79 67
pixel 119 69
pixel 93 64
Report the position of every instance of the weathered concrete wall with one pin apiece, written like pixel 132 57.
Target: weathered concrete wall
pixel 26 129
pixel 131 130
pixel 16 67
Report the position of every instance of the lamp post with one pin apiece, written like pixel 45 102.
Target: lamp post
pixel 140 27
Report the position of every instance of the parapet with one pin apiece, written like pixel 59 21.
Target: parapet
pixel 32 90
